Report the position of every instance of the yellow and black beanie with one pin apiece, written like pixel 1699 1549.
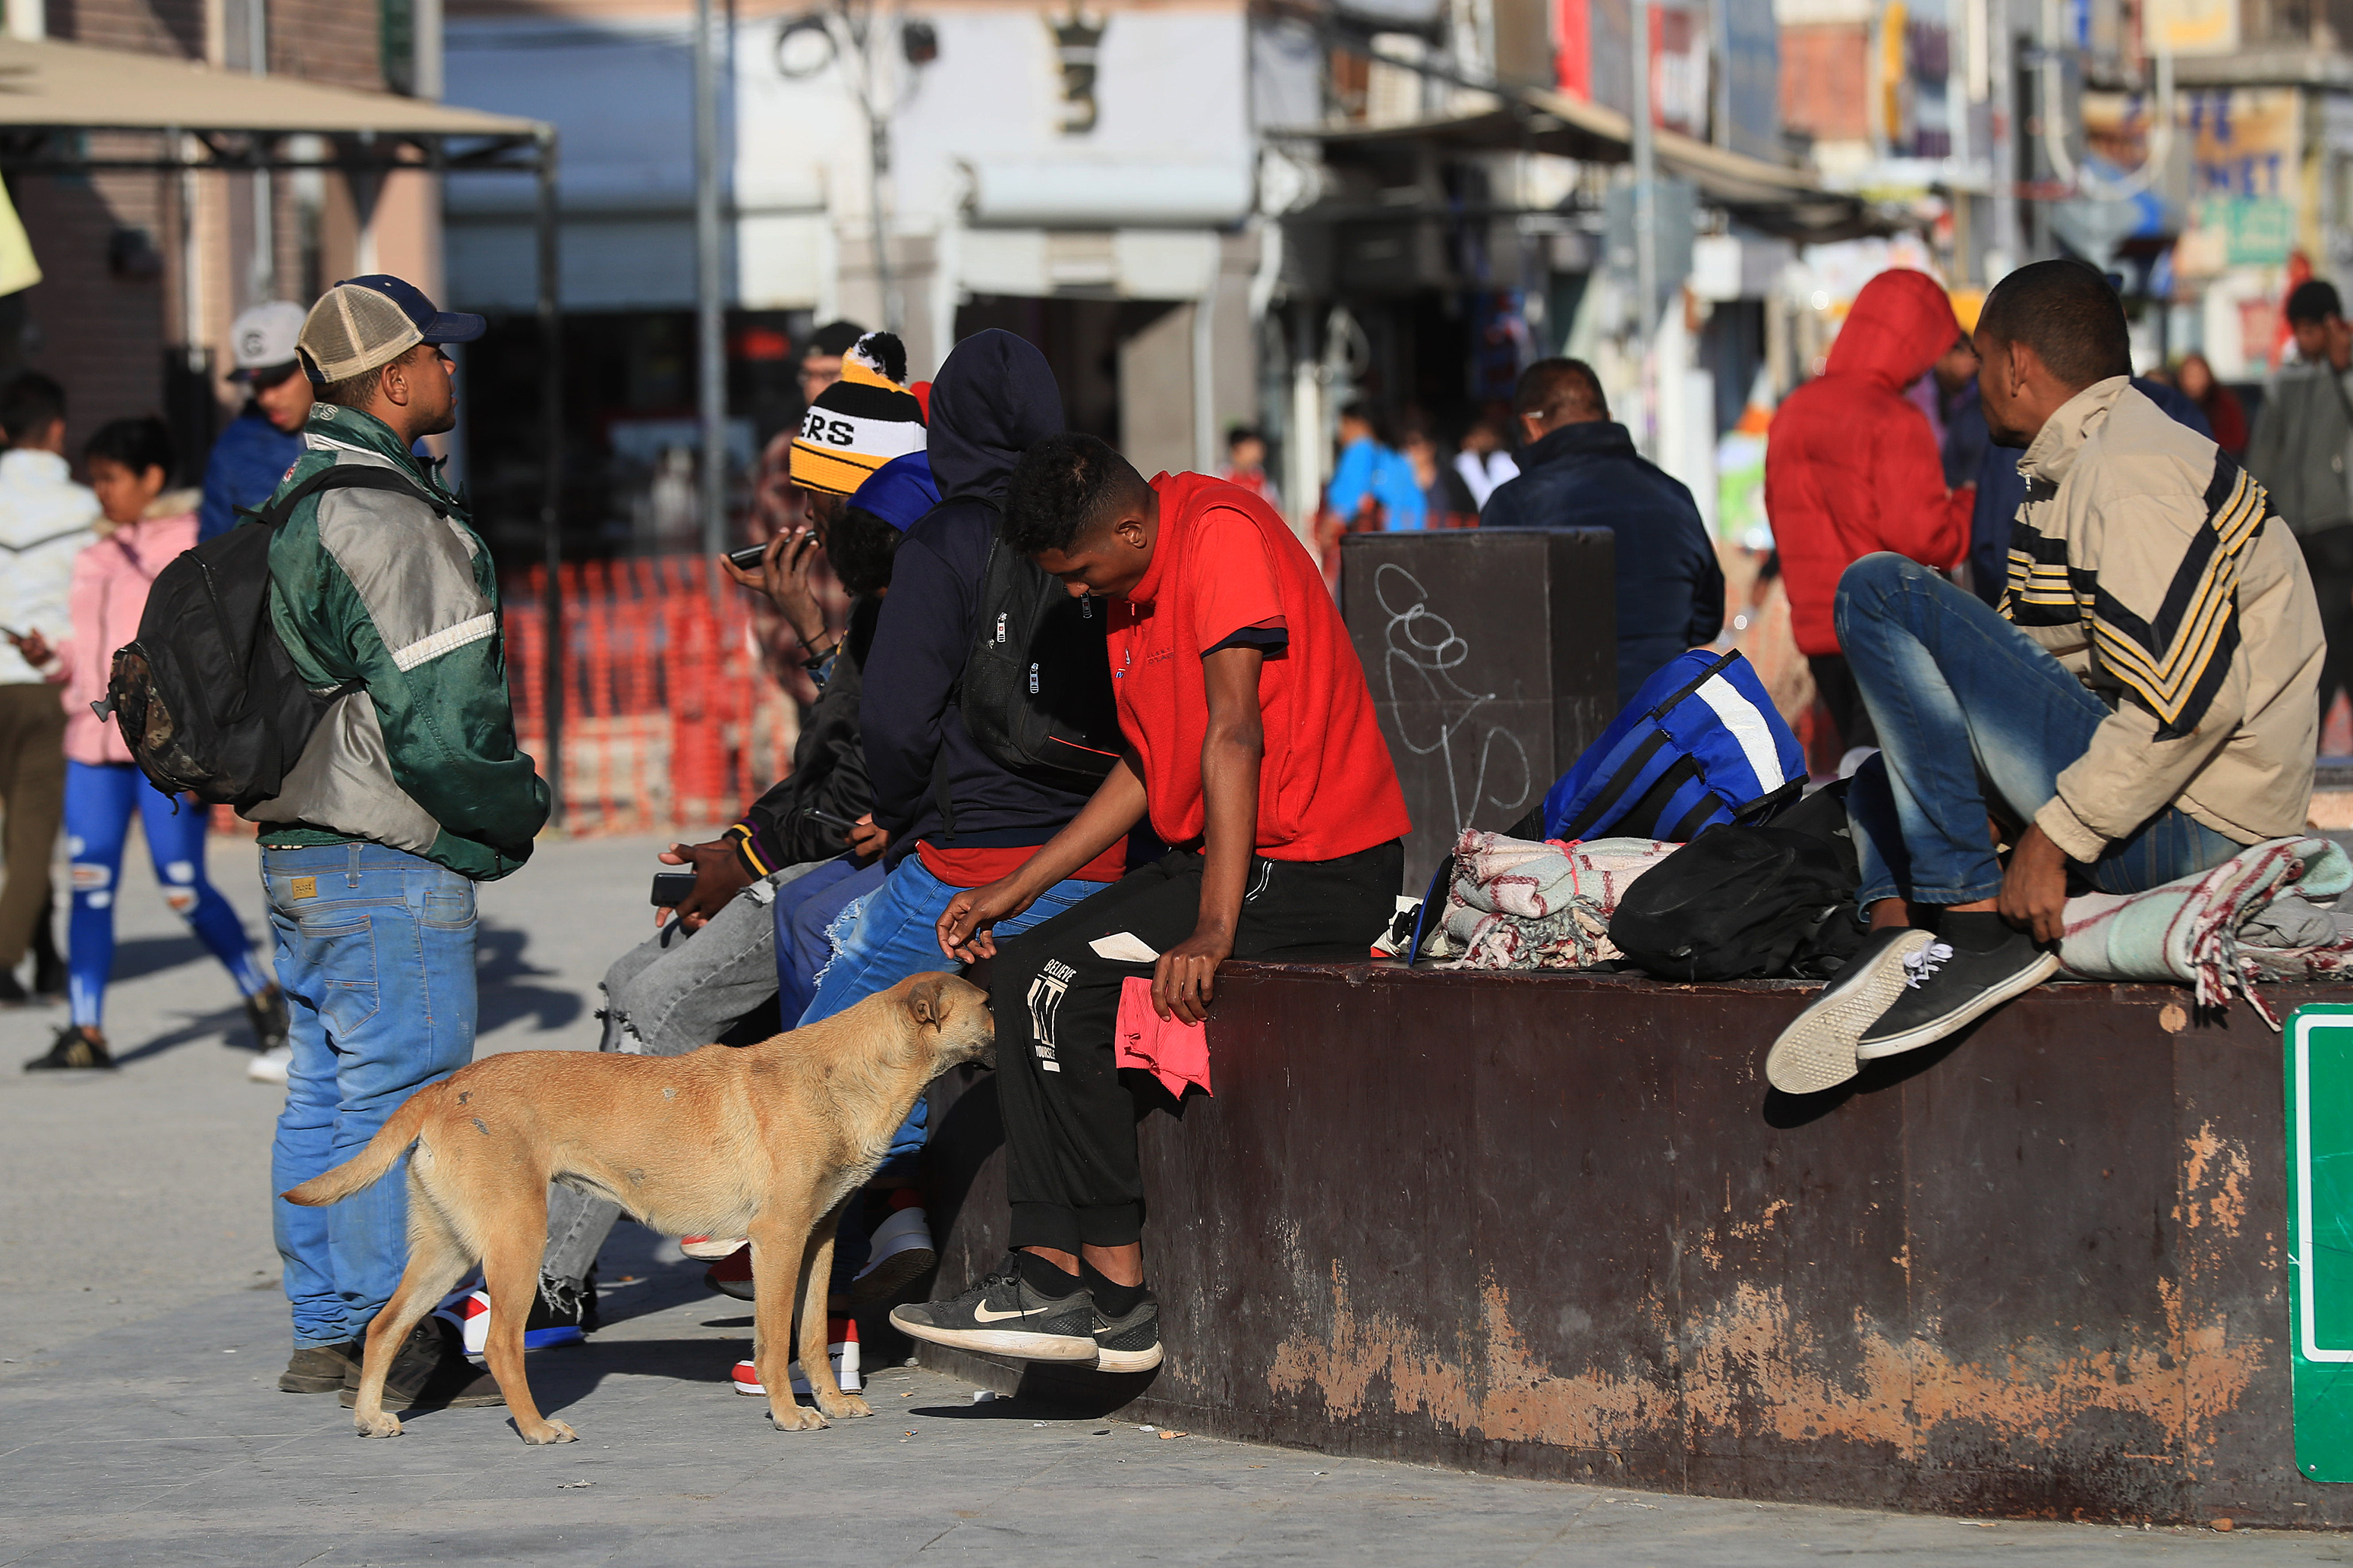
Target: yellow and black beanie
pixel 860 422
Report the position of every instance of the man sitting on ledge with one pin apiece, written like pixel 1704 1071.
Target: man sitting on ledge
pixel 1252 743
pixel 2140 707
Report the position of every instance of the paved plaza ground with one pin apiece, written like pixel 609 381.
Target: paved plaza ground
pixel 142 1334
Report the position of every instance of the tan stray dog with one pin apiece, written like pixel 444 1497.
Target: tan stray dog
pixel 767 1141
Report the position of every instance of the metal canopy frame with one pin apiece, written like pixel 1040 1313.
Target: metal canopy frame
pixel 63 150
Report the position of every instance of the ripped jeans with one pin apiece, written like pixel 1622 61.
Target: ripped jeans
pixel 100 798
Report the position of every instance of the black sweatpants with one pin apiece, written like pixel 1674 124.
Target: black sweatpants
pixel 2328 558
pixel 1834 684
pixel 1070 1122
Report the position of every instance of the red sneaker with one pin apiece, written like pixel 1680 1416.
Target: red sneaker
pixel 732 1275
pixel 843 1352
pixel 709 1247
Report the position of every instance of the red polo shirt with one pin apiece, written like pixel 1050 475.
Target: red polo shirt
pixel 1225 562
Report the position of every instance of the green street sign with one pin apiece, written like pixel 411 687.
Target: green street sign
pixel 2320 1236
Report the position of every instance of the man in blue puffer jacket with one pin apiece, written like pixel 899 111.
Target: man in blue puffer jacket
pixel 1580 470
pixel 260 444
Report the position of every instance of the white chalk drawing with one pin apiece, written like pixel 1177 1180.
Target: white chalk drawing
pixel 1423 650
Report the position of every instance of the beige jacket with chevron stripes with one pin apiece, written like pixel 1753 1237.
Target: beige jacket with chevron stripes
pixel 2148 563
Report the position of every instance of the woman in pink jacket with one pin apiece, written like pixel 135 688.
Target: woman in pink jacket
pixel 130 461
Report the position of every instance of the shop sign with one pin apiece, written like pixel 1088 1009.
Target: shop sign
pixel 2319 1039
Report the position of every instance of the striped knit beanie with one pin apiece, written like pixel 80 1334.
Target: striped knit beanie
pixel 860 422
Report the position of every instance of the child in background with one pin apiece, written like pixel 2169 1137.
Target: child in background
pixel 142 529
pixel 1245 465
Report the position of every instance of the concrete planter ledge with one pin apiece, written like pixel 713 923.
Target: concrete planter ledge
pixel 1557 1226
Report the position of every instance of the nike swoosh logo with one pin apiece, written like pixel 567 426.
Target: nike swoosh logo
pixel 983 1315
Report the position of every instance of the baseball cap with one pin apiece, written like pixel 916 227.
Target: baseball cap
pixel 263 338
pixel 363 323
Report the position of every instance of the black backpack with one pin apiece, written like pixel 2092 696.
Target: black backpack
pixel 208 698
pixel 1742 902
pixel 1036 693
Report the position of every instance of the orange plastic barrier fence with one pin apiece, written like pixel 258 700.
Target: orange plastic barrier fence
pixel 669 720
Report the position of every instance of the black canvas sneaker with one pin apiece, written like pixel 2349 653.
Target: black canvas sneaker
pixel 265 1015
pixel 322 1369
pixel 73 1051
pixel 430 1371
pixel 1818 1050
pixel 1945 988
pixel 1003 1316
pixel 1130 1342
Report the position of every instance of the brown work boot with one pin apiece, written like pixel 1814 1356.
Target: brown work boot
pixel 320 1368
pixel 430 1371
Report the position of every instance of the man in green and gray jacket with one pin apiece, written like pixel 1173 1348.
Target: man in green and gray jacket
pixel 409 792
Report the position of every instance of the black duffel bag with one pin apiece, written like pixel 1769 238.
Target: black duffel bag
pixel 1749 903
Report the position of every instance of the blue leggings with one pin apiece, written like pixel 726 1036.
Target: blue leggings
pixel 99 799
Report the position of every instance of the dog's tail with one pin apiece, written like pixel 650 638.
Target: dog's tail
pixel 363 1170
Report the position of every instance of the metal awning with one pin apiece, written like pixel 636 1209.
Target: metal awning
pixel 1770 197
pixel 183 117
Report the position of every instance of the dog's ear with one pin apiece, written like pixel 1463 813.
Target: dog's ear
pixel 927 999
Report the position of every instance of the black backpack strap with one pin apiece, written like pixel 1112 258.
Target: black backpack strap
pixel 341 477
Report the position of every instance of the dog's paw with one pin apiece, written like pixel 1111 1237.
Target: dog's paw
pixel 377 1425
pixel 795 1418
pixel 551 1432
pixel 844 1406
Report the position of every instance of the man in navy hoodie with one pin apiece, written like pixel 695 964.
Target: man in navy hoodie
pixel 1580 470
pixel 957 819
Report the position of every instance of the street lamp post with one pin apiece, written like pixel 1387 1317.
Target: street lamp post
pixel 1646 241
pixel 710 325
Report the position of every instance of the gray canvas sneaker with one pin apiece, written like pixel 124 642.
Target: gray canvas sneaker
pixel 1003 1316
pixel 1817 1051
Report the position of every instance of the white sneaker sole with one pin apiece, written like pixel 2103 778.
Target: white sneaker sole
pixel 1954 1021
pixel 1015 1343
pixel 712 1248
pixel 1127 1360
pixel 1817 1051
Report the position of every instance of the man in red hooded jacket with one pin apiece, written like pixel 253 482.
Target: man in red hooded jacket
pixel 1852 467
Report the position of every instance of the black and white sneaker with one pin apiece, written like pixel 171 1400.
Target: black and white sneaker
pixel 1130 1342
pixel 1945 988
pixel 1003 1316
pixel 1817 1051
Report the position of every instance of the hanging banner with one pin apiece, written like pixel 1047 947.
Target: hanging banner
pixel 2190 26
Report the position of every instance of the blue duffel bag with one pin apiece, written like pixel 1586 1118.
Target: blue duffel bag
pixel 1699 744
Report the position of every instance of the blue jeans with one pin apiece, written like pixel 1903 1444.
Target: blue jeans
pixel 375 953
pixel 805 912
pixel 1974 718
pixel 897 934
pixel 100 800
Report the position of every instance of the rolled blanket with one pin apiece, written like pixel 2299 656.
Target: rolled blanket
pixel 2190 930
pixel 1515 903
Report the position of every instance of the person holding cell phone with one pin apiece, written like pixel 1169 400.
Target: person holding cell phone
pixel 44 521
pixel 145 524
pixel 752 907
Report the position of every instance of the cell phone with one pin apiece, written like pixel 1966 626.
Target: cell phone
pixel 748 559
pixel 672 889
pixel 838 823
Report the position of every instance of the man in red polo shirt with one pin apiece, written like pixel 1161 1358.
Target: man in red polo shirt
pixel 1252 745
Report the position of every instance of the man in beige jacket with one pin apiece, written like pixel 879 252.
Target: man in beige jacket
pixel 2140 706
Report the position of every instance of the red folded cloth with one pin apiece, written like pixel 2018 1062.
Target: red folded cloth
pixel 1177 1054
